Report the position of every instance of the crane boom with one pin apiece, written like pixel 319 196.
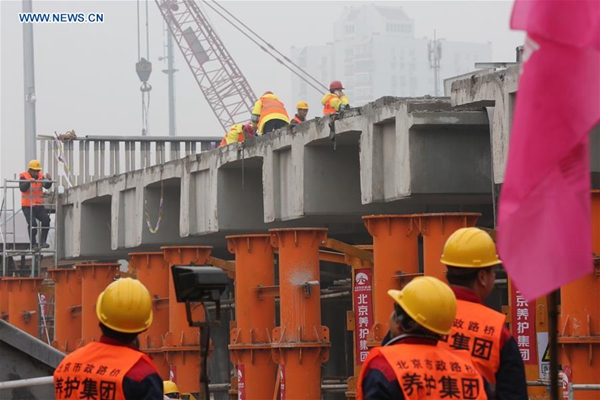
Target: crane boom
pixel 224 86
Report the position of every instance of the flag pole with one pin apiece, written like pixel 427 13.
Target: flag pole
pixel 553 343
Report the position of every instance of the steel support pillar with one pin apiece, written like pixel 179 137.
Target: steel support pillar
pixel 152 270
pixel 395 252
pixel 67 308
pixel 94 279
pixel 579 329
pixel 435 229
pixel 23 307
pixel 254 316
pixel 300 343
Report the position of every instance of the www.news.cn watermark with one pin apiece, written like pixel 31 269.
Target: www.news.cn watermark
pixel 61 18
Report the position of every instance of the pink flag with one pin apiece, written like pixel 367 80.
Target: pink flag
pixel 544 227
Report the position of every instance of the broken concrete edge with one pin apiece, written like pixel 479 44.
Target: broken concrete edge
pixel 29 345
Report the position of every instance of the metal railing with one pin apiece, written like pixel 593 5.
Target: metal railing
pixel 86 159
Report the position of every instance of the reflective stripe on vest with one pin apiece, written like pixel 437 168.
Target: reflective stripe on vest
pixel 35 194
pixel 296 120
pixel 96 371
pixel 478 329
pixel 425 372
pixel 271 106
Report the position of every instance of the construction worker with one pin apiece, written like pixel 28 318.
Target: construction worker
pixel 170 390
pixel 471 257
pixel 411 365
pixel 237 133
pixel 269 114
pixel 113 368
pixel 301 112
pixel 32 199
pixel 335 101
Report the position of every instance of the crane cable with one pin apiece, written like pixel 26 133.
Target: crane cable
pixel 143 69
pixel 272 47
pixel 319 89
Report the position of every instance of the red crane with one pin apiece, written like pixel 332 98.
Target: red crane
pixel 224 86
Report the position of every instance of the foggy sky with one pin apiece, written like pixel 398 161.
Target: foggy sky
pixel 85 73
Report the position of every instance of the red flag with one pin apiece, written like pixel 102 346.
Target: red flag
pixel 544 225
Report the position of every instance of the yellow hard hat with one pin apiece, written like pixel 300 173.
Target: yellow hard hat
pixel 470 248
pixel 302 105
pixel 35 164
pixel 170 387
pixel 125 306
pixel 429 301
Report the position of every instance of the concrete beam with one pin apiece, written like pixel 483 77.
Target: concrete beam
pixel 498 90
pixel 395 155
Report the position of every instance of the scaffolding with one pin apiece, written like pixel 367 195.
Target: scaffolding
pixel 20 258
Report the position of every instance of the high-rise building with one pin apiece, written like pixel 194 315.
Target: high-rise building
pixel 375 53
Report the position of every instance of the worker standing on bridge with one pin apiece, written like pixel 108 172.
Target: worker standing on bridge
pixel 32 201
pixel 269 114
pixel 113 368
pixel 411 365
pixel 301 113
pixel 237 133
pixel 335 101
pixel 471 257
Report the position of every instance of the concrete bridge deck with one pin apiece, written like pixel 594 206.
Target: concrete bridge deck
pixel 396 155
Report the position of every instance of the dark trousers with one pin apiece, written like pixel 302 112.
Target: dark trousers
pixel 273 125
pixel 33 215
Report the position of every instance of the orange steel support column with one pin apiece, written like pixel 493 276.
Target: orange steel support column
pixel 23 307
pixel 395 250
pixel 436 228
pixel 3 300
pixel 254 315
pixel 94 279
pixel 182 341
pixel 67 308
pixel 153 271
pixel 580 312
pixel 300 344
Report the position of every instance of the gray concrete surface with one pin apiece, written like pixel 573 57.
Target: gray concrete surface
pixel 498 90
pixel 395 155
pixel 23 357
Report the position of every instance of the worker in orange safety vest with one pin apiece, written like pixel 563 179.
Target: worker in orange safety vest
pixel 113 368
pixel 471 258
pixel 237 133
pixel 31 183
pixel 411 365
pixel 335 101
pixel 301 113
pixel 269 114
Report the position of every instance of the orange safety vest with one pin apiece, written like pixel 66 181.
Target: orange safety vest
pixel 296 120
pixel 478 330
pixel 35 194
pixel 327 107
pixel 96 371
pixel 270 106
pixel 426 371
